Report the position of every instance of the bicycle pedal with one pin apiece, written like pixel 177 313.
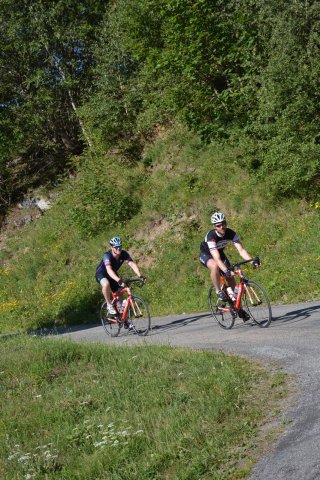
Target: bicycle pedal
pixel 233 312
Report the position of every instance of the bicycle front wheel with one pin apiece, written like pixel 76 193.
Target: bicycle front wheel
pixel 257 304
pixel 139 316
pixel 220 310
pixel 111 325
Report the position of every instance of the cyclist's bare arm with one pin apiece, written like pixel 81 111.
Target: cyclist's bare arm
pixel 112 274
pixel 242 251
pixel 216 256
pixel 134 267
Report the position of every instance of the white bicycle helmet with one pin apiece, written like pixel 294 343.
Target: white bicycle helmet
pixel 116 242
pixel 218 217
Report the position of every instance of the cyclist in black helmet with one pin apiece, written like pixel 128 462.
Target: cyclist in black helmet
pixel 106 273
pixel 213 257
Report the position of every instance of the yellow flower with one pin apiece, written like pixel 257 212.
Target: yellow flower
pixel 8 305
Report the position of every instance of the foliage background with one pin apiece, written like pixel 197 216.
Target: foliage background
pixel 142 118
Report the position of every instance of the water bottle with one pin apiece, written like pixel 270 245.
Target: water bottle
pixel 236 291
pixel 119 306
pixel 231 294
pixel 124 303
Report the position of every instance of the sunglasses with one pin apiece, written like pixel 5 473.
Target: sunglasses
pixel 117 248
pixel 218 225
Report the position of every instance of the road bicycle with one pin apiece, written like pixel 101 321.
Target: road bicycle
pixel 134 316
pixel 251 298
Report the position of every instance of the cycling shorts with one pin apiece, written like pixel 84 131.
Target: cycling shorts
pixel 113 284
pixel 205 257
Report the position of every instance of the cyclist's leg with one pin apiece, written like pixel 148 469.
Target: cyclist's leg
pixel 211 264
pixel 214 273
pixel 230 280
pixel 105 286
pixel 112 286
pixel 108 285
pixel 106 290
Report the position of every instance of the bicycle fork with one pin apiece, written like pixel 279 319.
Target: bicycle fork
pixel 252 300
pixel 136 309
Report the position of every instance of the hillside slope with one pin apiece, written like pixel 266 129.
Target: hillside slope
pixel 161 207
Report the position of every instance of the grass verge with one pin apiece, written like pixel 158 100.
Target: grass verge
pixel 73 411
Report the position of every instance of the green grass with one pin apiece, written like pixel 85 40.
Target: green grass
pixel 75 411
pixel 47 274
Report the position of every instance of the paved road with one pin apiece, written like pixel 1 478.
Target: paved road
pixel 292 340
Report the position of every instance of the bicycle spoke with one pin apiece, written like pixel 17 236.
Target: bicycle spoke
pixel 257 304
pixel 110 324
pixel 220 310
pixel 139 316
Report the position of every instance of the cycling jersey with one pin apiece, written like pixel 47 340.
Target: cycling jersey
pixel 215 241
pixel 108 260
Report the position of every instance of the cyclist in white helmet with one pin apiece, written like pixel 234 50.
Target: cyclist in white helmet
pixel 106 272
pixel 213 257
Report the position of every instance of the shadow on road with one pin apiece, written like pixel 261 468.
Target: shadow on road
pixel 155 328
pixel 178 323
pixel 61 330
pixel 161 325
pixel 295 315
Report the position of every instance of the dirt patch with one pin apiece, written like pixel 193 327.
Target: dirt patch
pixel 154 230
pixel 16 219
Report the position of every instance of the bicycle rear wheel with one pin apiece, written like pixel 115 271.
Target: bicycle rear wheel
pixel 139 316
pixel 110 324
pixel 220 310
pixel 257 304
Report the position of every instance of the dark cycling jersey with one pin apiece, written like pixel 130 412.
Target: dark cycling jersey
pixel 108 260
pixel 213 240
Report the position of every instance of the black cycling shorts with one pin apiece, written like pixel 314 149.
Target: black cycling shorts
pixel 113 284
pixel 205 257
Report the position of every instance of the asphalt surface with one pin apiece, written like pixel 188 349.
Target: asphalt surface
pixel 291 341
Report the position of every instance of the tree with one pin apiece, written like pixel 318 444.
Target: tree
pixel 46 69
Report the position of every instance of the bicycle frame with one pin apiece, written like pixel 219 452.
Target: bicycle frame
pixel 251 301
pixel 116 297
pixel 135 315
pixel 130 303
pixel 241 285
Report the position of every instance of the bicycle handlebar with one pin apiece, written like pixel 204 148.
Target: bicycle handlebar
pixel 129 281
pixel 236 265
